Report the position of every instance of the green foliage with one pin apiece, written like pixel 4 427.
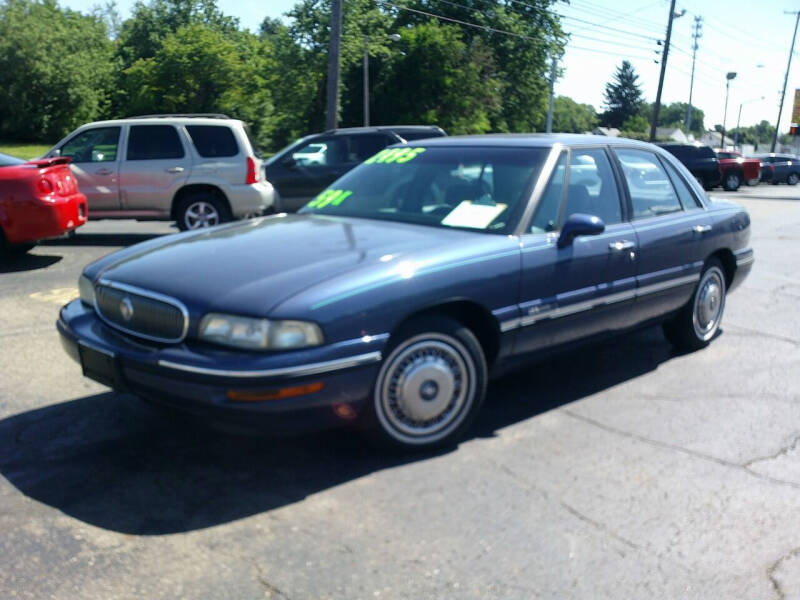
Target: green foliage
pixel 24 150
pixel 636 123
pixel 55 69
pixel 674 115
pixel 571 117
pixel 760 135
pixel 623 96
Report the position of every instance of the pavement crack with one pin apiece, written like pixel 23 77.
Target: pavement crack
pixel 747 332
pixel 681 449
pixel 794 553
pixel 784 450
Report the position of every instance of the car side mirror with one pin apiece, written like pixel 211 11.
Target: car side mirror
pixel 55 153
pixel 579 224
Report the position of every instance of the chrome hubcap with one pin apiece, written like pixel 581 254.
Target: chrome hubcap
pixel 201 214
pixel 425 388
pixel 709 303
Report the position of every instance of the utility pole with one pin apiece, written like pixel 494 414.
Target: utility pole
pixel 697 34
pixel 332 102
pixel 366 80
pixel 657 105
pixel 552 90
pixel 785 79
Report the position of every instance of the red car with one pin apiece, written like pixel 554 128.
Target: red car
pixel 38 199
pixel 737 169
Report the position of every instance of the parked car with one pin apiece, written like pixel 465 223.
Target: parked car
pixel 305 168
pixel 38 199
pixel 737 169
pixel 779 168
pixel 198 170
pixel 410 280
pixel 701 161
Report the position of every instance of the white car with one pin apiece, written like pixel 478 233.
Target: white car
pixel 198 170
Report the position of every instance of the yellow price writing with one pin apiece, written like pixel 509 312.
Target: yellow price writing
pixel 332 197
pixel 395 155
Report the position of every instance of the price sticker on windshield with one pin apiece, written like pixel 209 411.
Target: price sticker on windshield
pixel 395 155
pixel 330 197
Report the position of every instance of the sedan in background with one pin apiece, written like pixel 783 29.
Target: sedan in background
pixel 395 294
pixel 779 168
pixel 38 199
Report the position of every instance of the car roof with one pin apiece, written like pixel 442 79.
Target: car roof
pixel 529 140
pixel 166 119
pixel 379 128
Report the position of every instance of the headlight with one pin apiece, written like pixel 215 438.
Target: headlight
pixel 86 290
pixel 258 334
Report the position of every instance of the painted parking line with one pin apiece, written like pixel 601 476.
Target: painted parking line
pixel 56 295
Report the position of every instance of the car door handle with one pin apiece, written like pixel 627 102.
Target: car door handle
pixel 174 170
pixel 103 171
pixel 701 228
pixel 621 245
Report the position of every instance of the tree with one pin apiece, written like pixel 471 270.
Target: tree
pixel 198 69
pixel 55 69
pixel 623 96
pixel 571 117
pixel 636 123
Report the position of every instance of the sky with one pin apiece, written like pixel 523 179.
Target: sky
pixel 747 37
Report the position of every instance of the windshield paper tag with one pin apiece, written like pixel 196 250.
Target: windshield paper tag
pixel 477 216
pixel 395 155
pixel 332 197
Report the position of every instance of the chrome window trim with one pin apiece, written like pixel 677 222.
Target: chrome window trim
pixel 132 289
pixel 296 371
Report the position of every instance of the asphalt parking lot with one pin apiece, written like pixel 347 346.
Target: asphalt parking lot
pixel 619 470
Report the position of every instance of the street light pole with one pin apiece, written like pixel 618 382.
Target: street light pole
pixel 785 79
pixel 549 126
pixel 366 81
pixel 739 119
pixel 728 78
pixel 332 100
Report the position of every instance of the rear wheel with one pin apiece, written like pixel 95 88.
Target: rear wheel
pixel 698 322
pixel 430 386
pixel 793 178
pixel 200 210
pixel 731 182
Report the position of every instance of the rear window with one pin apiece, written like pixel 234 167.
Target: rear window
pixel 213 141
pixel 10 161
pixel 154 142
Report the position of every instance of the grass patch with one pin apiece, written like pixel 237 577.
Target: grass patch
pixel 26 151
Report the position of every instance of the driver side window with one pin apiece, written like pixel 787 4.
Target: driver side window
pixel 93 145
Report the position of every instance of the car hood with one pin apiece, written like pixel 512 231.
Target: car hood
pixel 251 266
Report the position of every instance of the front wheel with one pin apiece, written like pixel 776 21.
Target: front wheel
pixel 698 322
pixel 731 182
pixel 430 386
pixel 793 178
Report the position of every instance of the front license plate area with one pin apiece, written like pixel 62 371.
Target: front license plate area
pixel 100 366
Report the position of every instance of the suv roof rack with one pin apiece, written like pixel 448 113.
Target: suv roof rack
pixel 191 115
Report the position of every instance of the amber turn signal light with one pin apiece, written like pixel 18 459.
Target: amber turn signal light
pixel 279 394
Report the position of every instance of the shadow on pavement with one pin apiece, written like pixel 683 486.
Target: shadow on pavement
pixel 109 461
pixel 27 262
pixel 102 239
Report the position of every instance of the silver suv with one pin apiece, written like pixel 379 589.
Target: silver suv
pixel 198 170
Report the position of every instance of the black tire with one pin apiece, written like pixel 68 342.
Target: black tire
pixel 198 210
pixel 430 386
pixel 692 328
pixel 731 182
pixel 792 178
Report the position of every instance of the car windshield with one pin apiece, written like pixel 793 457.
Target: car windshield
pixel 463 187
pixel 10 161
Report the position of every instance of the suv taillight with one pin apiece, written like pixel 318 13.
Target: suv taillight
pixel 252 171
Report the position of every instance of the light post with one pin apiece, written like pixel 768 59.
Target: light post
pixel 739 119
pixel 728 78
pixel 395 38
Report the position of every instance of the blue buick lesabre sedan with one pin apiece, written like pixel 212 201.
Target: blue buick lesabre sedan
pixel 394 294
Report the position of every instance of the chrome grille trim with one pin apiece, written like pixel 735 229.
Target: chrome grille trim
pixel 132 289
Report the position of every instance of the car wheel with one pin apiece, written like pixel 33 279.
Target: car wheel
pixel 430 386
pixel 202 210
pixel 697 323
pixel 793 178
pixel 731 182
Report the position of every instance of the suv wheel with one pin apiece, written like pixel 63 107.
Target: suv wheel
pixel 792 179
pixel 731 182
pixel 200 210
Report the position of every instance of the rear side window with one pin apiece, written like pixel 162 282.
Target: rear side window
pixel 213 141
pixel 364 146
pixel 154 142
pixel 650 189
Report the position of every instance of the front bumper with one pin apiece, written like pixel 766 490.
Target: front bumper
pixel 198 379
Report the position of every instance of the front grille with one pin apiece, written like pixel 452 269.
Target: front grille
pixel 141 313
